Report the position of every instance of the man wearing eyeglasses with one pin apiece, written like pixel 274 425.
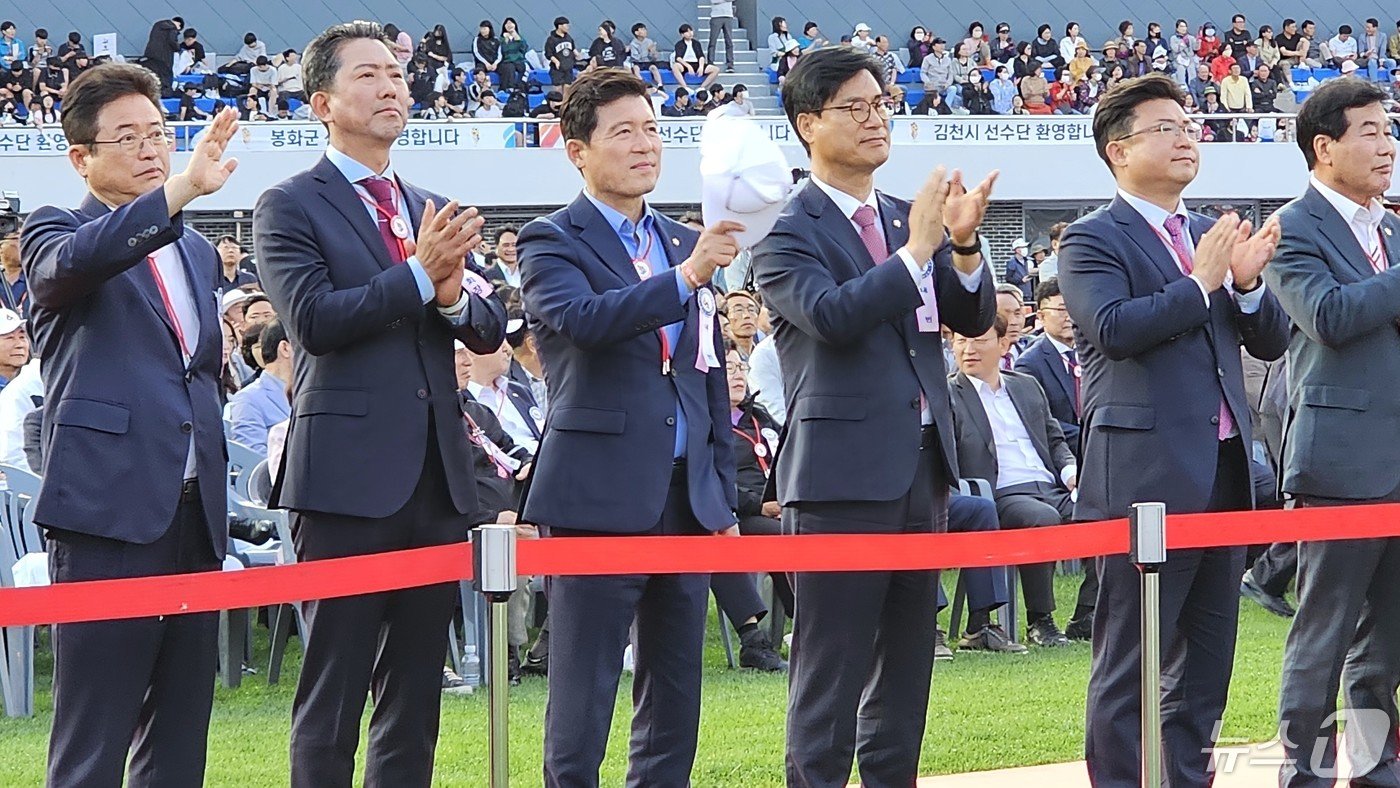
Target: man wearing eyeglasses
pixel 1161 302
pixel 859 283
pixel 123 314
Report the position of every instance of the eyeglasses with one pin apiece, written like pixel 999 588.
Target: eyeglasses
pixel 860 109
pixel 131 143
pixel 740 369
pixel 736 310
pixel 1191 129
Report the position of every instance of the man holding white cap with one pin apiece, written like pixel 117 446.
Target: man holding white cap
pixel 1018 269
pixel 14 346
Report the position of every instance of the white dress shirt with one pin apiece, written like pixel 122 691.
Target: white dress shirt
pixel 177 288
pixel 511 278
pixel 848 205
pixel 1157 218
pixel 1017 460
pixel 766 380
pixel 1364 220
pixel 497 398
pixel 17 401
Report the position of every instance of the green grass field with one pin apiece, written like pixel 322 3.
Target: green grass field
pixel 986 712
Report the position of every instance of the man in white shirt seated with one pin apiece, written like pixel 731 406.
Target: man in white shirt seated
pixel 512 403
pixel 1006 435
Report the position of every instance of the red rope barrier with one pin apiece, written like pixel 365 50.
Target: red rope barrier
pixel 173 594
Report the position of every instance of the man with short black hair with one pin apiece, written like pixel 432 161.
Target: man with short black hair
pixel 193 49
pixel 122 315
pixel 262 84
pixel 1337 273
pixel 1157 294
pixel 231 277
pixel 680 106
pixel 643 53
pixel 505 272
pixel 161 46
pixel 1343 47
pixel 289 85
pixel 11 48
pixel 689 58
pixel 1238 36
pixel 561 53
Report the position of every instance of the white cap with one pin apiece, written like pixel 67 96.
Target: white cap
pixel 233 298
pixel 457 344
pixel 791 45
pixel 862 28
pixel 1019 243
pixel 9 322
pixel 744 177
pixel 1349 66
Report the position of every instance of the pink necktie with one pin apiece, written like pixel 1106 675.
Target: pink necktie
pixel 870 235
pixel 388 209
pixel 1176 228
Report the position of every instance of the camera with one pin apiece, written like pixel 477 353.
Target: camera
pixel 9 213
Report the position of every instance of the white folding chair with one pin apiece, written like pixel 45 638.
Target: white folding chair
pixel 18 537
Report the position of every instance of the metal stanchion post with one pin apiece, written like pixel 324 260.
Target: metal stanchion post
pixel 1147 549
pixel 493 576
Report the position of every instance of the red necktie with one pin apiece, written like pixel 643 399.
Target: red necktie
pixel 1176 228
pixel 870 234
pixel 387 209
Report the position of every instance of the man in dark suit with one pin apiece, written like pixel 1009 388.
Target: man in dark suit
pixel 1337 274
pixel 123 314
pixel 1161 303
pixel 492 385
pixel 858 283
pixel 1006 435
pixel 637 439
pixel 1017 270
pixel 161 46
pixel 377 456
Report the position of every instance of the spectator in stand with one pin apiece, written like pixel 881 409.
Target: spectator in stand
pixel 486 48
pixel 1292 47
pixel 251 111
pixel 1139 63
pixel 1208 46
pixel 889 59
pixel 1003 49
pixel 689 58
pixel 1021 65
pixel 14 85
pixel 251 50
pixel 490 107
pixel 1235 94
pixel 505 271
pixel 1264 90
pixel 14 289
pixel 1372 50
pixel 976 97
pixel 680 106
pixel 549 108
pixel 812 37
pixel 1071 40
pixel 1110 55
pixel 1218 129
pixel 643 53
pixel 55 81
pixel 1035 92
pixel 560 51
pixel 1154 37
pixel 192 56
pixel 1003 91
pixel 1198 84
pixel 1250 61
pixel 456 93
pixel 70 48
pixel 188 109
pixel 420 80
pixel 262 83
pixel 477 90
pixel 932 104
pixel 1017 269
pixel 11 48
pixel 919 46
pixel 81 62
pixel 42 112
pixel 1160 61
pixel 1182 47
pixel 937 70
pixel 39 53
pixel 777 40
pixel 400 43
pixel 231 276
pixel 161 46
pixel 1343 47
pixel 263 403
pixel 738 104
pixel 607 50
pixel 897 100
pixel 438 49
pixel 1045 50
pixel 1080 64
pixel 1088 91
pixel 1221 63
pixel 512 68
pixel 861 39
pixel 976 46
pixel 438 110
pixel 1313 49
pixel 289 85
pixel 1392 46
pixel 1062 94
pixel 792 51
pixel 722 21
pixel 1238 35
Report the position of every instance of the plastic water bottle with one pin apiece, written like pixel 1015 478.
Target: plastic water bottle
pixel 471 667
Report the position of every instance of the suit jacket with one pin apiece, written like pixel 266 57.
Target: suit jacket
pixel 1154 362
pixel 1017 273
pixel 852 357
pixel 163 42
pixel 604 463
pixel 122 404
pixel 373 362
pixel 977 452
pixel 1042 362
pixel 496 494
pixel 1344 357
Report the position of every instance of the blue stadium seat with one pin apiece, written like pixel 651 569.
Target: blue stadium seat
pixel 1048 73
pixel 989 74
pixel 170 105
pixel 535 99
pixel 910 76
pixel 913 97
pixel 1301 74
pixel 1324 74
pixel 773 76
pixel 190 79
pixel 540 75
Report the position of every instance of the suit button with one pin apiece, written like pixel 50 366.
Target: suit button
pixel 914 403
pixel 670 421
pixel 913 352
pixel 131 242
pixel 186 428
pixel 422 393
pixel 1220 371
pixel 1214 419
pixel 189 376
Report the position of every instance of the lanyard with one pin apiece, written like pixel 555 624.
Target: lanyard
pixel 642 266
pixel 1378 259
pixel 493 452
pixel 760 446
pixel 169 308
pixel 398 227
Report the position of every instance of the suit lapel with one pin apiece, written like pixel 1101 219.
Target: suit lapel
pixel 972 403
pixel 1056 366
pixel 1146 238
pixel 836 227
pixel 595 231
pixel 416 201
pixel 343 197
pixel 1338 233
pixel 1390 229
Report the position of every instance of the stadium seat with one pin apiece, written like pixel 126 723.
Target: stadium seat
pixel 1324 74
pixel 1301 74
pixel 910 76
pixel 913 96
pixel 19 536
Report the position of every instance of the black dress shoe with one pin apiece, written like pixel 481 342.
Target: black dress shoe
pixel 941 652
pixel 1080 628
pixel 1274 604
pixel 756 651
pixel 1043 632
pixel 990 638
